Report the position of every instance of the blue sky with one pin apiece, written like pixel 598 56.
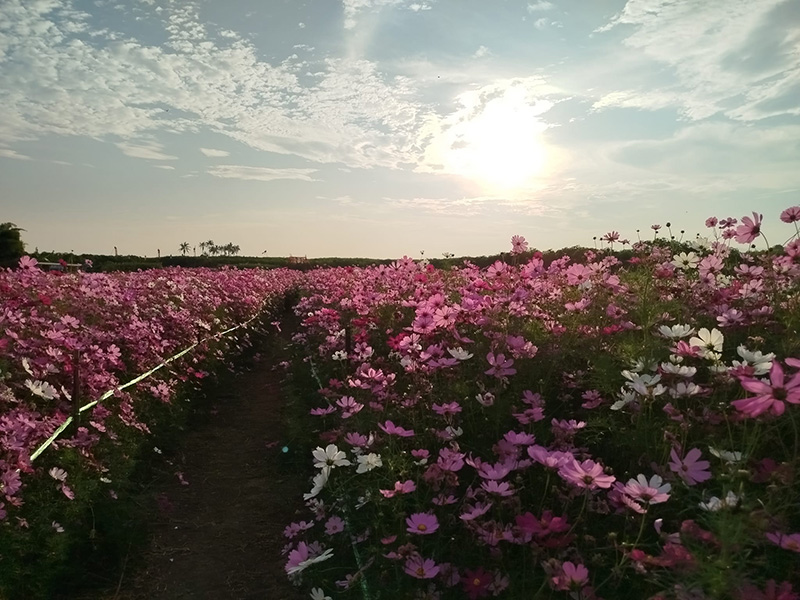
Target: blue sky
pixel 388 127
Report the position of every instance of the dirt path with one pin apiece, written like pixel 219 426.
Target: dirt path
pixel 220 536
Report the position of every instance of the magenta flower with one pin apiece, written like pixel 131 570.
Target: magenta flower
pixel 785 541
pixel 771 396
pixel 400 487
pixel 791 214
pixel 571 577
pixel 476 583
pixel 690 469
pixel 750 229
pixel 500 365
pixel 393 429
pixel 711 222
pixel 421 568
pixel 587 474
pixel 422 523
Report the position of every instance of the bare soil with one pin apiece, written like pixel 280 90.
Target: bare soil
pixel 220 537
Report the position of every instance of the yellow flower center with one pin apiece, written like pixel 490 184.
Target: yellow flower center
pixel 476 582
pixel 422 527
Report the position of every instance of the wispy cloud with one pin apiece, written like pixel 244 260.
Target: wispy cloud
pixel 735 57
pixel 146 150
pixel 8 153
pixel 214 153
pixel 260 173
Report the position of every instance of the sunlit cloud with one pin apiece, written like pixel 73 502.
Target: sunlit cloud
pixel 260 173
pixel 214 153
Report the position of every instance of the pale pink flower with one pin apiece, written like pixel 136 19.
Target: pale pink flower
pixel 791 214
pixel 421 568
pixel 750 229
pixel 587 474
pixel 690 468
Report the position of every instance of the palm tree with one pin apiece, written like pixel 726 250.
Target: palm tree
pixel 184 248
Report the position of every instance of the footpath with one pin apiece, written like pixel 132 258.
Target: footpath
pixel 222 505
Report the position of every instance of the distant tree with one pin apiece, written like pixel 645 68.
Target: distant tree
pixel 12 247
pixel 202 247
pixel 213 249
pixel 235 249
pixel 184 248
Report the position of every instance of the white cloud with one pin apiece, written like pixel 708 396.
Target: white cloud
pixel 481 52
pixel 146 150
pixel 8 153
pixel 260 173
pixel 736 57
pixel 541 23
pixel 353 7
pixel 541 5
pixel 214 153
pixel 165 167
pixel 53 82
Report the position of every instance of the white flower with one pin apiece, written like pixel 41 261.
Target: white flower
pixel 42 389
pixel 330 457
pixel 626 396
pixel 339 355
pixel 700 243
pixel 459 353
pixel 368 462
pixel 714 504
pixel 319 481
pixel 675 332
pixel 685 388
pixel 655 482
pixel 318 594
pixel 680 370
pixel 27 366
pixel 725 455
pixel 310 561
pixel 58 474
pixel 57 526
pixel 454 432
pixel 686 261
pixel 709 342
pixel 761 363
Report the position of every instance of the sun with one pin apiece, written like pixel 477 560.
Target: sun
pixel 499 144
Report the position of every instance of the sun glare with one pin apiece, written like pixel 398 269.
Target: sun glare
pixel 500 146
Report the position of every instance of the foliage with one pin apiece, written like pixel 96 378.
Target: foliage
pixel 11 246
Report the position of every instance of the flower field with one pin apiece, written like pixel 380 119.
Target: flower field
pixel 614 425
pixel 68 339
pixel 595 429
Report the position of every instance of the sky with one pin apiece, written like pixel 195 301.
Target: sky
pixel 383 128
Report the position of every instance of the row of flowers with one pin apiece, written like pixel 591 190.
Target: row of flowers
pixel 65 340
pixel 532 430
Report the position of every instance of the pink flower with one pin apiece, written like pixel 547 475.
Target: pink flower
pixel 587 474
pixel 393 429
pixel 649 492
pixel 500 366
pixel 421 568
pixel 750 229
pixel 422 523
pixel 572 577
pixel 791 215
pixel 334 525
pixel 772 395
pixel 518 244
pixel 785 541
pixel 26 262
pixel 711 222
pixel 690 469
pixel 405 487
